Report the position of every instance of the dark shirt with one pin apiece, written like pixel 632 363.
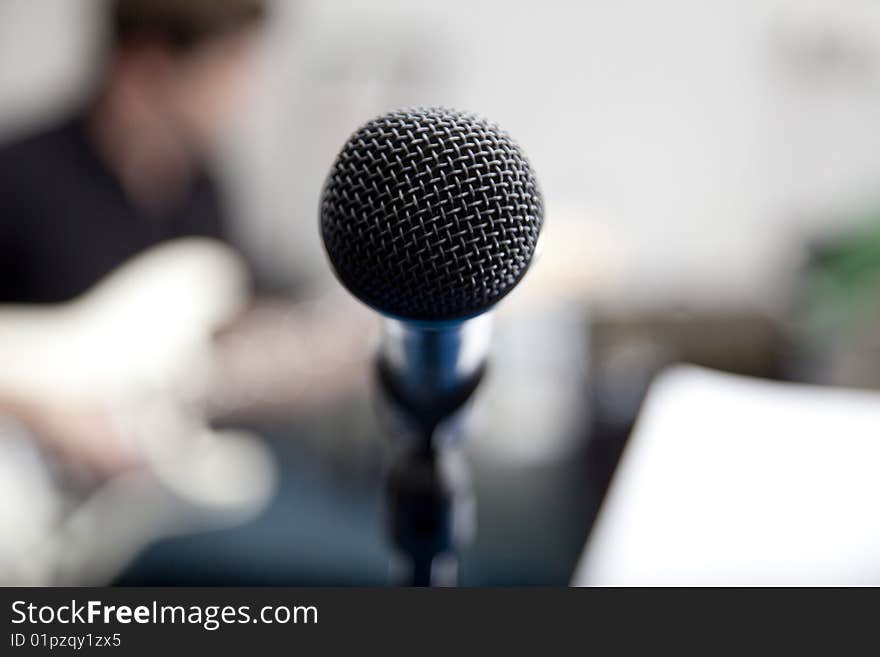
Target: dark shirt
pixel 65 220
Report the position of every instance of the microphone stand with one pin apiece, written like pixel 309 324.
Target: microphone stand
pixel 430 503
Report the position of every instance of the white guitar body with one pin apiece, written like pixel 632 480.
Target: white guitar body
pixel 140 341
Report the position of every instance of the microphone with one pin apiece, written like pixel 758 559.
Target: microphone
pixel 431 216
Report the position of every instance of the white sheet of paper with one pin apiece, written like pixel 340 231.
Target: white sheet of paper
pixel 729 480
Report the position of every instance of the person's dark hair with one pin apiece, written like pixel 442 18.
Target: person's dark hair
pixel 182 24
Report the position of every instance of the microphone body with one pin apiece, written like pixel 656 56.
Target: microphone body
pixel 431 368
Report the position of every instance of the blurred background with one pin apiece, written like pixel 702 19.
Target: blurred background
pixel 711 173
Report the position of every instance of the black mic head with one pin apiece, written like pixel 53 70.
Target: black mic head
pixel 430 214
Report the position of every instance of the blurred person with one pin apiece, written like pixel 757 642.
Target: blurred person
pixel 127 171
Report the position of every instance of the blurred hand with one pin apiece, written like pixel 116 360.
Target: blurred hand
pixel 293 357
pixel 84 435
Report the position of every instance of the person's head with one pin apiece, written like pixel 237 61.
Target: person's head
pixel 183 63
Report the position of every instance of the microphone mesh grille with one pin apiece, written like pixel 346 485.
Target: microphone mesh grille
pixel 430 214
